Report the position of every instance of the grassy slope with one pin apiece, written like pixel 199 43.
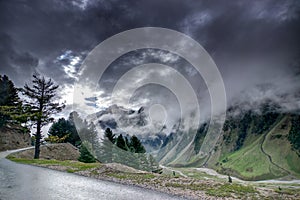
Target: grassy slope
pixel 251 163
pixel 279 148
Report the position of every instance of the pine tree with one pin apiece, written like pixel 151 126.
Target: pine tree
pixel 109 134
pixel 74 137
pixel 136 144
pixel 41 96
pixel 120 142
pixel 85 155
pixel 127 142
pixel 88 133
pixel 60 128
pixel 65 128
pixel 107 147
pixel 10 103
pixel 8 92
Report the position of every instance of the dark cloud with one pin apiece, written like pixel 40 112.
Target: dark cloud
pixel 253 43
pixel 14 62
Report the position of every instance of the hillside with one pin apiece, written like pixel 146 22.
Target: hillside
pixel 252 146
pixel 13 136
pixel 255 151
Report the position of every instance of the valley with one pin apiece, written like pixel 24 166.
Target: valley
pixel 254 145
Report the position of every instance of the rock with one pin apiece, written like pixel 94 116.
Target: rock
pixel 12 136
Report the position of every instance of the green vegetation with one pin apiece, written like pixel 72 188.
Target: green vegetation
pixel 201 132
pixel 12 109
pixel 250 163
pixel 294 134
pixel 264 121
pixel 110 136
pixel 120 142
pixel 250 154
pixel 9 101
pixel 128 152
pixel 212 189
pixel 65 131
pixel 131 176
pixel 291 162
pixel 288 191
pixel 85 155
pixel 71 166
pixel 217 190
pixel 135 145
pixel 40 99
pixel 226 190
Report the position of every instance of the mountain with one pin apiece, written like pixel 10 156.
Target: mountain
pixel 254 144
pixel 259 146
pixel 130 122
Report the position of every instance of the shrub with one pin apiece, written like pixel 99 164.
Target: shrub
pixel 85 155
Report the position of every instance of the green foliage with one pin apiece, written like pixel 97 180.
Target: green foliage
pixel 8 92
pixel 226 190
pixel 120 142
pixel 128 152
pixel 131 176
pixel 71 165
pixel 136 145
pixel 60 128
pixel 65 129
pixel 40 101
pixel 229 124
pixel 250 122
pixel 105 152
pixel 127 144
pixel 109 134
pixel 41 96
pixel 9 102
pixel 85 155
pixel 201 132
pixel 267 118
pixel 294 133
pixel 74 137
pixel 243 127
pixel 56 139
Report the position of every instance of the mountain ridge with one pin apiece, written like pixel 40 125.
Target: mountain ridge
pixel 246 136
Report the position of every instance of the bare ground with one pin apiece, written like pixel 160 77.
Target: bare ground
pixel 61 151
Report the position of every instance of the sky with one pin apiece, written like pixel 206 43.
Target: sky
pixel 254 44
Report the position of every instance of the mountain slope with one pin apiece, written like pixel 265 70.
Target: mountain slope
pixel 264 155
pixel 253 145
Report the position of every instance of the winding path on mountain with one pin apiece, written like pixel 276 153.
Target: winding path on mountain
pixel 269 156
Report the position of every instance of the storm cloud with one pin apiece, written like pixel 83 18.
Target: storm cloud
pixel 255 44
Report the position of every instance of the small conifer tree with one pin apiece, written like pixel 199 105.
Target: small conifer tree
pixel 85 155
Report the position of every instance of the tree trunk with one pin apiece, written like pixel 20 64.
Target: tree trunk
pixel 37 141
